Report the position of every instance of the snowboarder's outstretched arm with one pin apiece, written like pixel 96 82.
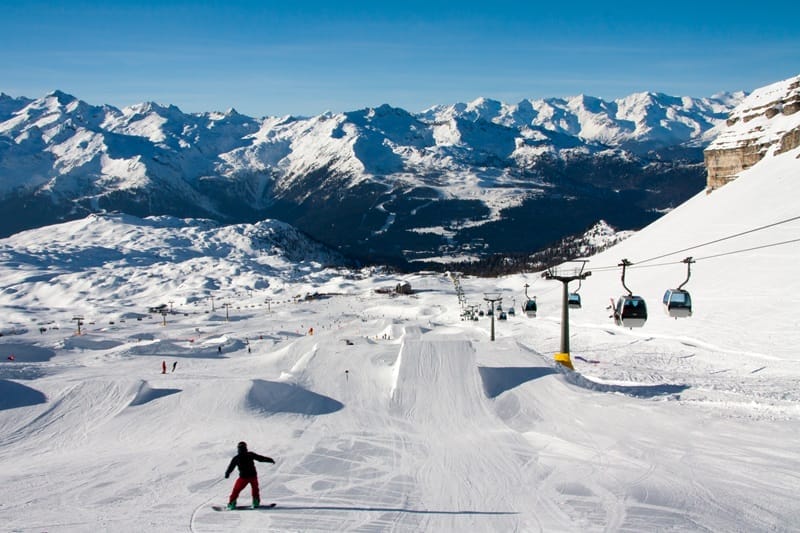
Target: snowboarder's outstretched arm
pixel 261 458
pixel 231 466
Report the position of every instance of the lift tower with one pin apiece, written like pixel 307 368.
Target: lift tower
pixel 562 357
pixel 492 297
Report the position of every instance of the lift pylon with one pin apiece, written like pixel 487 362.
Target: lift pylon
pixel 563 357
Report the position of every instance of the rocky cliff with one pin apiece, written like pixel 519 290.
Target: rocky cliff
pixel 765 122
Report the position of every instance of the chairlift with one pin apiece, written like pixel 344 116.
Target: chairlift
pixel 678 302
pixel 574 299
pixel 530 304
pixel 630 310
pixel 530 308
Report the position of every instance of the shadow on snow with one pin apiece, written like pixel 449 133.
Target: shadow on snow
pixel 638 391
pixel 25 353
pixel 13 395
pixel 272 397
pixel 496 381
pixel 146 394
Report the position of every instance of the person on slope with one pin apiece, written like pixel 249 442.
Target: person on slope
pixel 245 461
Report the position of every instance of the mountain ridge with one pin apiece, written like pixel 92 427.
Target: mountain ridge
pixel 365 181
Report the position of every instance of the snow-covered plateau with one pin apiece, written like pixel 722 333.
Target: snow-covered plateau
pixel 387 411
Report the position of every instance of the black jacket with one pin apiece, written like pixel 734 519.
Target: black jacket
pixel 246 464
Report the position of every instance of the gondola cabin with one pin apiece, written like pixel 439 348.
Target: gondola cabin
pixel 678 303
pixel 630 311
pixel 502 316
pixel 530 307
pixel 574 300
pixel 511 311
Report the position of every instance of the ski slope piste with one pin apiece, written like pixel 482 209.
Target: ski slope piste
pixel 396 414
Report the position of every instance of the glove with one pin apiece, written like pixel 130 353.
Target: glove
pixel 271 460
pixel 226 476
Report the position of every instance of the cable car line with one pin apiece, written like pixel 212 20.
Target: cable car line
pixel 723 239
pixel 732 252
pixel 748 249
pixel 638 264
pixel 630 310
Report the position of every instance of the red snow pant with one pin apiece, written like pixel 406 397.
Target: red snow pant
pixel 240 484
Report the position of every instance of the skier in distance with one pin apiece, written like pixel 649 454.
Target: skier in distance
pixel 244 460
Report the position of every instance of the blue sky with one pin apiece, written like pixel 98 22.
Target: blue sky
pixel 303 57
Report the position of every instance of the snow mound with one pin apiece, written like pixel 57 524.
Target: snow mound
pixel 172 348
pixel 86 342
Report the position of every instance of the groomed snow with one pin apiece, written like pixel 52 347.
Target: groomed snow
pixel 396 415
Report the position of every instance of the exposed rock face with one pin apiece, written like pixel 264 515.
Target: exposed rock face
pixel 766 122
pixel 789 141
pixel 724 165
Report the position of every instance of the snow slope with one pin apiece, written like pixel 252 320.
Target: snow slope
pixel 396 415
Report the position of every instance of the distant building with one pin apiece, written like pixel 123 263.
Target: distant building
pixel 403 288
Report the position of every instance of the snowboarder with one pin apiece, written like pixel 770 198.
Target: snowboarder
pixel 163 367
pixel 174 364
pixel 244 460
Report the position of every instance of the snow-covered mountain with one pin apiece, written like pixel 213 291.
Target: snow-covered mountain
pixel 377 182
pixel 155 257
pixel 388 412
pixel 650 118
pixel 766 122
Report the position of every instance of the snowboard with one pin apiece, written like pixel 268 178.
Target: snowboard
pixel 244 507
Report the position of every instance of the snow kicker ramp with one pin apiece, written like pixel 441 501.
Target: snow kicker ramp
pixel 465 459
pixel 437 381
